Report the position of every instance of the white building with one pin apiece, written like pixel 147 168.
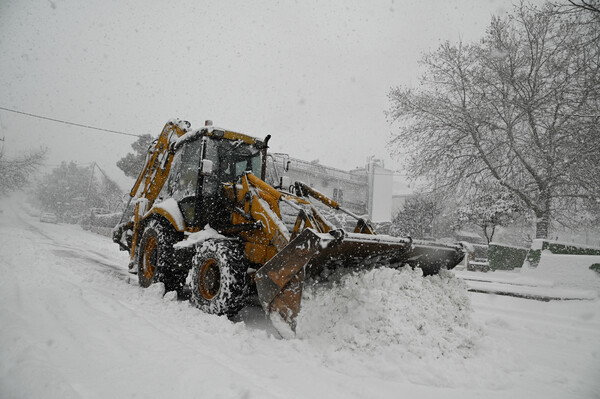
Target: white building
pixel 365 191
pixel 380 183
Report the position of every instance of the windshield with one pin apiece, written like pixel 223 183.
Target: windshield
pixel 231 159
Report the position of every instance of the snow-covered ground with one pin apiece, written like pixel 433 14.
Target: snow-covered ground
pixel 74 325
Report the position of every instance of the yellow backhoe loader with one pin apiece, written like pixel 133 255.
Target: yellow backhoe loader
pixel 201 204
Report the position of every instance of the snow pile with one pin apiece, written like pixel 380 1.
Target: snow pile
pixel 199 237
pixel 383 309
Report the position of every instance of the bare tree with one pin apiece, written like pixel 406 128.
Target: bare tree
pixel 583 12
pixel 16 172
pixel 585 5
pixel 521 108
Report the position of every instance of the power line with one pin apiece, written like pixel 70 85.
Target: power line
pixel 69 123
pixel 82 165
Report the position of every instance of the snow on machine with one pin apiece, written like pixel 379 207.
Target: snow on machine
pixel 199 205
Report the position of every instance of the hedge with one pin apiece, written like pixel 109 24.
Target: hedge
pixel 557 248
pixel 504 257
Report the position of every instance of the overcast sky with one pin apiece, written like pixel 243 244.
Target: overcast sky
pixel 314 75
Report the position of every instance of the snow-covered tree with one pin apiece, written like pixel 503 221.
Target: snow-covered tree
pixel 16 172
pixel 521 108
pixel 416 217
pixel 70 190
pixel 110 192
pixel 492 207
pixel 132 163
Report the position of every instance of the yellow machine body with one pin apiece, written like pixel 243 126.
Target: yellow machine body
pixel 278 257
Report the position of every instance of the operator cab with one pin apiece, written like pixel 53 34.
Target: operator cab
pixel 202 166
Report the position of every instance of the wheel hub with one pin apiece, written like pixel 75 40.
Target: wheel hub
pixel 209 282
pixel 150 258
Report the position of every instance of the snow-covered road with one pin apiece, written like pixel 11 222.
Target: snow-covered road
pixel 73 326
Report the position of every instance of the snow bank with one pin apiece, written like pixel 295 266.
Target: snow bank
pixel 73 328
pixel 567 270
pixel 374 310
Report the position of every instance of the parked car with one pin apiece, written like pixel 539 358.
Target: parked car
pixel 48 218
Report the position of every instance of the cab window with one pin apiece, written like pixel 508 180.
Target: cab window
pixel 230 160
pixel 183 179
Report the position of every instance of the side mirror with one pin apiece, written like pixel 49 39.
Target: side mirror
pixel 206 167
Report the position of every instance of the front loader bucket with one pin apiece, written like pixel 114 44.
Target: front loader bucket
pixel 431 257
pixel 279 282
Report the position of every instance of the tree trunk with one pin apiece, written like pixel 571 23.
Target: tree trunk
pixel 542 224
pixel 489 236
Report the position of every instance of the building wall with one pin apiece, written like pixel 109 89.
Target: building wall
pixel 381 186
pixel 350 189
pixel 366 192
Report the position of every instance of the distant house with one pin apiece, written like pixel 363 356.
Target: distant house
pixel 365 191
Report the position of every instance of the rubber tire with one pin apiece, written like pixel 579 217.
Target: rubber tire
pixel 156 250
pixel 230 288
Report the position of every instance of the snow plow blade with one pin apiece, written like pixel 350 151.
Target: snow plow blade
pixel 279 282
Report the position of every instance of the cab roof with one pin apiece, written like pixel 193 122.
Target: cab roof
pixel 185 134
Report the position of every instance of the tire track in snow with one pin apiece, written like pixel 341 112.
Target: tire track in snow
pixel 91 256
